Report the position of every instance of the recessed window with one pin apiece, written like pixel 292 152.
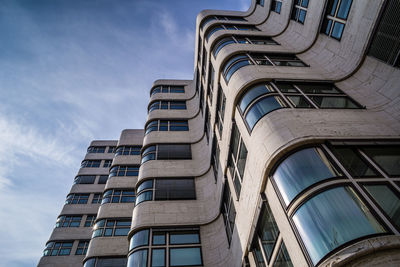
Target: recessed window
pixel 333 218
pixel 228 211
pixel 128 150
pixel 124 171
pixel 167 125
pixel 299 11
pixel 234 27
pixel 387 158
pixel 69 221
pixel 96 149
pixel 106 262
pixel 111 227
pixel 77 198
pixel 58 248
pixel 166 189
pixel 276 6
pixel 111 149
pixel 90 218
pixel 167 105
pixel 82 247
pixel 103 179
pixel 167 152
pixel 182 249
pixel 336 17
pixel 107 163
pixel 96 198
pixel 221 100
pixel 167 89
pixel 118 196
pixel 237 159
pixel 213 18
pixel 211 79
pixel 85 179
pixel 90 164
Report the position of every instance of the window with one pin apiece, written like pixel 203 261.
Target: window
pixel 211 78
pixel 228 211
pixel 69 221
pixel 84 179
pixel 167 105
pixel 166 189
pixel 128 150
pixel 167 152
pixel 263 98
pixel 96 149
pixel 96 198
pixel 238 61
pixel 150 247
pixel 118 196
pixel 107 163
pixel 239 27
pixel 90 218
pixel 299 11
pixel 241 39
pixel 215 156
pixel 207 122
pixel 103 179
pixel 58 248
pixel 111 149
pixel 111 227
pixel 237 159
pixel 167 125
pixel 77 198
pixel 387 158
pixel 385 44
pixel 335 18
pixel 90 163
pixel 82 247
pixel 221 100
pixel 124 171
pixel 167 89
pixel 201 97
pixel 276 6
pixel 106 262
pixel 260 2
pixel 333 218
pixel 283 258
pixel 212 18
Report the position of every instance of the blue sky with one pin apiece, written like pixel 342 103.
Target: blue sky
pixel 72 71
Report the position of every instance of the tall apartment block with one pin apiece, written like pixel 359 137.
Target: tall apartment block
pixel 283 151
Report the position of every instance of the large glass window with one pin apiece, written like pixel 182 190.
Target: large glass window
pixel 82 247
pixel 234 27
pixel 166 189
pixel 167 89
pixel 77 198
pixel 283 258
pixel 167 152
pixel 385 44
pixel 69 221
pixel 124 171
pixel 128 150
pixel 353 162
pixel 118 196
pixel 167 125
pixel 387 157
pixel 90 219
pixel 276 6
pixel 111 227
pixel 301 170
pixel 208 19
pixel 234 64
pixel 96 198
pixel 333 218
pixel 335 18
pixel 167 105
pixel 90 164
pixel 107 262
pixel 96 149
pixel 58 248
pixel 221 100
pixel 182 246
pixel 299 10
pixel 84 179
pixel 228 211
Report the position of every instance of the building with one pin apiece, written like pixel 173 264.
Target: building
pixel 283 151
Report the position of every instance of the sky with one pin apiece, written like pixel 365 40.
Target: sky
pixel 72 71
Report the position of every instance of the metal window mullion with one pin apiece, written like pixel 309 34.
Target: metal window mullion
pixel 336 19
pixel 300 7
pixel 282 95
pixel 262 250
pixel 270 61
pixel 251 59
pixel 362 193
pixel 303 94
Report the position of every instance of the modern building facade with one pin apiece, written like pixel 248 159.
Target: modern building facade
pixel 284 150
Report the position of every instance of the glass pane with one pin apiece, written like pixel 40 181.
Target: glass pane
pixel 140 238
pixel 388 158
pixel 283 258
pixel 145 185
pixel 352 162
pixel 138 259
pixel 387 200
pixel 144 196
pixel 337 30
pixel 286 88
pixel 252 94
pixel 184 238
pixel 304 3
pixel 259 259
pixel 267 230
pixel 221 45
pixel 300 102
pixel 158 257
pixel 158 238
pixel 333 102
pixel 302 16
pixel 332 4
pixel 333 218
pixel 184 256
pixel 326 26
pixel 344 9
pixel 235 67
pixel 241 163
pixel 121 231
pixel 261 108
pixel 318 88
pixel 300 170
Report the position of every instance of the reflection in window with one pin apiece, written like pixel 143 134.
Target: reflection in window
pixel 333 218
pixel 90 163
pixel 128 150
pixel 167 125
pixel 61 248
pixel 299 11
pixel 118 196
pixel 301 170
pixel 242 27
pixel 387 199
pixel 140 238
pixel 82 247
pixel 167 152
pixel 69 221
pixel 106 262
pixel 84 179
pixel 167 89
pixel 261 108
pixel 237 158
pixel 96 149
pixel 228 211
pixel 388 158
pixel 124 171
pixel 167 105
pixel 283 258
pixel 276 6
pixel 352 162
pixel 335 18
pixel 111 227
pixel 208 19
pixel 77 198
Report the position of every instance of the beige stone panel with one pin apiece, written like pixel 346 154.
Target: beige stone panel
pixel 190 111
pixel 62 261
pixel 93 171
pixel 126 160
pixel 108 246
pixel 87 188
pixel 115 210
pixel 96 156
pixel 121 182
pixel 103 143
pixel 131 137
pixel 68 233
pixel 80 208
pixel 277 23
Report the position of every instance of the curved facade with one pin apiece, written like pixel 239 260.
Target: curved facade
pixel 283 151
